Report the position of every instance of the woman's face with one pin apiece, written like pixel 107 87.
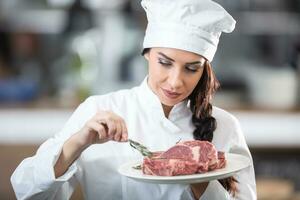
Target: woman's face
pixel 173 73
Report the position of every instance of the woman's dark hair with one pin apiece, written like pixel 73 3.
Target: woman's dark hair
pixel 205 123
pixel 201 107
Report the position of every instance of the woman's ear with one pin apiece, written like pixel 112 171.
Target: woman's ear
pixel 146 55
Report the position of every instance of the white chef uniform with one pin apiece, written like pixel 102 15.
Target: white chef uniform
pixel 96 168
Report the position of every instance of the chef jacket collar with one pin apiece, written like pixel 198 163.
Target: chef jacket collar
pixel 151 100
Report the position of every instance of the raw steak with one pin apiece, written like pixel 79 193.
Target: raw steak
pixel 187 157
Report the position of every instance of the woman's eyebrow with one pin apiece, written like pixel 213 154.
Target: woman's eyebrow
pixel 160 53
pixel 190 63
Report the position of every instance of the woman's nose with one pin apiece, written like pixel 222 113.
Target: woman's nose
pixel 175 79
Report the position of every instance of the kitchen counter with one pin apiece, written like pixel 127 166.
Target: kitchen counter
pixel 261 129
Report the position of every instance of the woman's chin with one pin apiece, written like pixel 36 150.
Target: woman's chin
pixel 168 102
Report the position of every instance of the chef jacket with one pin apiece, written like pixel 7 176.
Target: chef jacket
pixel 96 170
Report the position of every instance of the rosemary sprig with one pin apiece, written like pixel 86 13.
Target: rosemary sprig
pixel 141 148
pixel 138 167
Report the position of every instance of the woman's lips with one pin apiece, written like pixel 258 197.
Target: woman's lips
pixel 169 94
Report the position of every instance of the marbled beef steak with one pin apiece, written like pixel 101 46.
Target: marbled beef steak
pixel 187 157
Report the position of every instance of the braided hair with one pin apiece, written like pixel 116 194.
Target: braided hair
pixel 205 124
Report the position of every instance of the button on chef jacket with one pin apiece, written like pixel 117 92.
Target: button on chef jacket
pixel 96 169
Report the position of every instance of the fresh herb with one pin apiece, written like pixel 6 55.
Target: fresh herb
pixel 141 148
pixel 138 167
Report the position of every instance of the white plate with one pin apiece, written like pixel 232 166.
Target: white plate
pixel 234 164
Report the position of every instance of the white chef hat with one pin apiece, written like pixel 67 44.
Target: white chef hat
pixel 191 25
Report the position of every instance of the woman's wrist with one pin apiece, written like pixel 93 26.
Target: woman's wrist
pixel 71 150
pixel 79 142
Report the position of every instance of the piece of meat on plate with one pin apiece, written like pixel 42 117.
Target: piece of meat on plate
pixel 187 157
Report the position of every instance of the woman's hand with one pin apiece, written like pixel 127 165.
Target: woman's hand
pixel 102 127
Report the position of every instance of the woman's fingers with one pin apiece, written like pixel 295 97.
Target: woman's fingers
pixel 124 136
pixel 115 126
pixel 121 135
pixel 99 128
pixel 118 134
pixel 112 127
pixel 107 124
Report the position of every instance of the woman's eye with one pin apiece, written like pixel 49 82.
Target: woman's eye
pixel 192 69
pixel 164 63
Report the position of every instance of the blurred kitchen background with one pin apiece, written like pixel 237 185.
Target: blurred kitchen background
pixel 55 53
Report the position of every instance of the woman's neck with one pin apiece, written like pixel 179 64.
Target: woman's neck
pixel 167 110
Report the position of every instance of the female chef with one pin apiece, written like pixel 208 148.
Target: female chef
pixel 172 103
